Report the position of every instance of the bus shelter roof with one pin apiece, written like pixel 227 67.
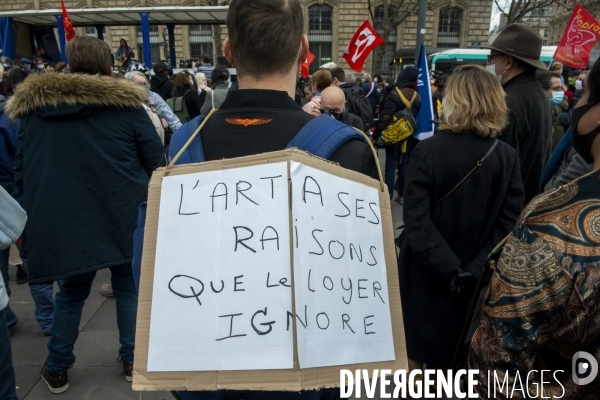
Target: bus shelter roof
pixel 124 16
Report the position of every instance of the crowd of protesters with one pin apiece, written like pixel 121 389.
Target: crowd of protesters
pixel 515 156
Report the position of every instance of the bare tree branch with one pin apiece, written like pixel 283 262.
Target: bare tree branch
pixel 371 11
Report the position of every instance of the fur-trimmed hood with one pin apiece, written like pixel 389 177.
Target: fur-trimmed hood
pixel 40 91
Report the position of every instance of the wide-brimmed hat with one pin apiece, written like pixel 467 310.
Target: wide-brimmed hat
pixel 522 42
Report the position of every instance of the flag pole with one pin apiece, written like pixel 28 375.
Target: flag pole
pixel 338 63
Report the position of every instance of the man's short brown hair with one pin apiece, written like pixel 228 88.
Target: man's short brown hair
pixel 89 55
pixel 338 73
pixel 265 35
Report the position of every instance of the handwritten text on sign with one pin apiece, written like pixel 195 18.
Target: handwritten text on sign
pixel 222 278
pixel 340 280
pixel 222 297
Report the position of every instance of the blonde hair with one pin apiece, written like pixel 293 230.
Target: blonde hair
pixel 474 100
pixel 556 66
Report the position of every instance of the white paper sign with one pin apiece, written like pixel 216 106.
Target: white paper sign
pixel 342 305
pixel 222 278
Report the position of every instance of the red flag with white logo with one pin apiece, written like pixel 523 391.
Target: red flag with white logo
pixel 578 39
pixel 304 66
pixel 363 42
pixel 69 30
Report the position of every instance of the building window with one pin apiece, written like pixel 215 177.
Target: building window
pixel 390 41
pixel 154 45
pixel 91 31
pixel 546 32
pixel 449 27
pixel 201 41
pixel 319 35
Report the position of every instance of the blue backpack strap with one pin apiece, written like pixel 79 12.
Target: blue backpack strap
pixel 323 135
pixel 195 152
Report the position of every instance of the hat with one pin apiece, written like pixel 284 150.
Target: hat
pixel 408 77
pixel 522 42
pixel 25 60
pixel 160 67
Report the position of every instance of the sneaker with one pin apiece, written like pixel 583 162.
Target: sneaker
pixel 47 332
pixel 21 275
pixel 56 383
pixel 399 200
pixel 106 290
pixel 127 370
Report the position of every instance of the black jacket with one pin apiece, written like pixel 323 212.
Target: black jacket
pixel 394 104
pixel 458 232
pixel 85 152
pixel 253 121
pixel 529 129
pixel 162 85
pixel 353 120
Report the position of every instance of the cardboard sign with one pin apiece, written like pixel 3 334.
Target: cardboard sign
pixel 268 272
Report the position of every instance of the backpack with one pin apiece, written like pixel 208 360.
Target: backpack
pixel 359 105
pixel 321 136
pixel 403 124
pixel 177 105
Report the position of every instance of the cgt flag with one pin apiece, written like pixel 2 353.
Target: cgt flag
pixel 69 30
pixel 362 43
pixel 304 67
pixel 578 39
pixel 424 124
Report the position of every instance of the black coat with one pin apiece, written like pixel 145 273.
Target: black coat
pixel 193 101
pixel 458 232
pixel 529 129
pixel 162 86
pixel 85 152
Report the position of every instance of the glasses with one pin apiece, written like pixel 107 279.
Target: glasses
pixel 491 57
pixel 332 112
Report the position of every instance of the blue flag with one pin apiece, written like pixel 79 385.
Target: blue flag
pixel 8 39
pixel 424 125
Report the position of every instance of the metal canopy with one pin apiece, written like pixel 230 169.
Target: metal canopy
pixel 124 16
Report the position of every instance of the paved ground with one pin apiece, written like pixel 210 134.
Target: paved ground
pixel 96 374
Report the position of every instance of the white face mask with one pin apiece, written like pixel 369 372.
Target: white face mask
pixel 492 69
pixel 375 80
pixel 40 66
pixel 578 85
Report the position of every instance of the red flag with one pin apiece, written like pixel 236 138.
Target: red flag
pixel 304 67
pixel 578 39
pixel 361 45
pixel 69 31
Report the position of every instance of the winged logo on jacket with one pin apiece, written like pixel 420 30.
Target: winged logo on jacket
pixel 248 121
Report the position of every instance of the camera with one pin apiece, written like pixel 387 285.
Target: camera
pixel 439 78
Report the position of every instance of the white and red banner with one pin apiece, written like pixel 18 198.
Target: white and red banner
pixel 363 42
pixel 578 39
pixel 304 66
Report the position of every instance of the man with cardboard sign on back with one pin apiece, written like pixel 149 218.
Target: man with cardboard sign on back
pixel 262 116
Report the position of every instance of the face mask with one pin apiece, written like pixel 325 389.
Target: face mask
pixel 375 80
pixel 5 65
pixel 313 91
pixel 578 85
pixel 557 98
pixel 492 69
pixel 583 143
pixel 40 66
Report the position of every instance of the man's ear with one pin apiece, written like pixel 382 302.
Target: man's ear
pixel 510 62
pixel 227 52
pixel 303 49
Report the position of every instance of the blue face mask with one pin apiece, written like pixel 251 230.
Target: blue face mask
pixel 557 98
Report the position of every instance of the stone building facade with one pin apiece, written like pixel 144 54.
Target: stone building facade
pixel 329 25
pixel 539 19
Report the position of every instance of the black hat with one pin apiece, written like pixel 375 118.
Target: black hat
pixel 160 67
pixel 522 42
pixel 408 77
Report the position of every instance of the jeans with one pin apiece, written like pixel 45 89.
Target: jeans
pixel 391 160
pixel 41 294
pixel 71 295
pixel 7 372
